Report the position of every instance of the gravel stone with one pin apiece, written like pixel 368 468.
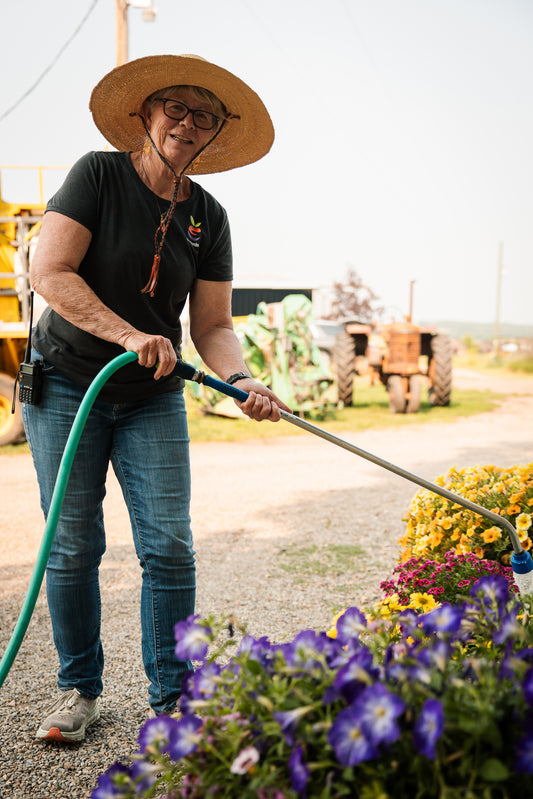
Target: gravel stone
pixel 288 531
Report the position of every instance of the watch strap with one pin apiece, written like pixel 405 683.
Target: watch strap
pixel 237 376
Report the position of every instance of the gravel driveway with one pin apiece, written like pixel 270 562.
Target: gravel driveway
pixel 287 532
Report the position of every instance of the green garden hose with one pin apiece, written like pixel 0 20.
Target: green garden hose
pixel 55 509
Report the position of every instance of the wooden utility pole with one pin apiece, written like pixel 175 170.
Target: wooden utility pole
pixel 497 341
pixel 122 31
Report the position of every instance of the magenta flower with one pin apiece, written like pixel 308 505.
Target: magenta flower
pixel 428 728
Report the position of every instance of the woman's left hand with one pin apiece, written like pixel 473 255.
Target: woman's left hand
pixel 261 403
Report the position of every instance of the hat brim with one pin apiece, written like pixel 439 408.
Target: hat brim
pixel 245 138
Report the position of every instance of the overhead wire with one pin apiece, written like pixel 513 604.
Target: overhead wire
pixel 52 63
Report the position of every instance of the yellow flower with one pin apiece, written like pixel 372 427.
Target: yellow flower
pixel 512 509
pixel 332 633
pixel 423 602
pixel 479 552
pixel 526 544
pixel 523 521
pixel 435 540
pixel 492 534
pixel 516 499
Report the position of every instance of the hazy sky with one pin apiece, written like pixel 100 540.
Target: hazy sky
pixel 404 134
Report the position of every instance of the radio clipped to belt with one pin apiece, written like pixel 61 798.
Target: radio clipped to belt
pixel 30 374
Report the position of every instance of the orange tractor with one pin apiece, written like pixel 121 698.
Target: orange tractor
pixel 403 356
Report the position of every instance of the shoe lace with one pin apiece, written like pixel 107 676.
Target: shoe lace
pixel 70 703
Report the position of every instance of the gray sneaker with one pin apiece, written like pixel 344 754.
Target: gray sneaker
pixel 69 717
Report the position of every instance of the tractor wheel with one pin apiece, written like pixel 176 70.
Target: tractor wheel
pixel 345 366
pixel 397 401
pixel 440 371
pixel 11 427
pixel 415 394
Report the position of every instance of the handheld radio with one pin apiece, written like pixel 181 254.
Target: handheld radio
pixel 30 375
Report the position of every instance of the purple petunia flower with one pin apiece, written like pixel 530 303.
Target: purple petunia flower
pixel 444 619
pixel 377 708
pixel 493 587
pixel 350 625
pixel 524 755
pixel 508 627
pixel 428 728
pixel 192 639
pixel 350 744
pixel 144 774
pixel 305 650
pixel 157 733
pixel 109 787
pixel 438 655
pixel 527 687
pixel 288 721
pixel 352 678
pixel 204 681
pixel 185 738
pixel 256 648
pixel 298 771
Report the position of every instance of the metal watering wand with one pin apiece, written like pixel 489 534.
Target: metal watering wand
pixel 521 560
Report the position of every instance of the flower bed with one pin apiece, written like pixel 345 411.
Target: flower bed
pixel 435 525
pixel 427 696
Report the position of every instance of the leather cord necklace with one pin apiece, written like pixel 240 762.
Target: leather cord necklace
pixel 166 217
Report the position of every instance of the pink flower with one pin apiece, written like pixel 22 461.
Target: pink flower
pixel 463 583
pixel 245 761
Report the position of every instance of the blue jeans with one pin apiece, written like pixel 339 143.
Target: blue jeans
pixel 148 445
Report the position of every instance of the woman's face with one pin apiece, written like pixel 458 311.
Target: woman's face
pixel 178 141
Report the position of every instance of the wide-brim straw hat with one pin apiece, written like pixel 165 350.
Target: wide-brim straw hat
pixel 245 138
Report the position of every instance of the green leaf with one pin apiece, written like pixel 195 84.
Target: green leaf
pixel 494 770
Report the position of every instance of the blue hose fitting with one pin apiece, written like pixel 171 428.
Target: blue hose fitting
pixel 522 563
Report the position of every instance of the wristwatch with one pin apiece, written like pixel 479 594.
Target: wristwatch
pixel 237 376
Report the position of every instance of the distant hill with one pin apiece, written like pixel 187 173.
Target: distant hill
pixel 480 330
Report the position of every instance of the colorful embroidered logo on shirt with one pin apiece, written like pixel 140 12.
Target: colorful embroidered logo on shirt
pixel 194 231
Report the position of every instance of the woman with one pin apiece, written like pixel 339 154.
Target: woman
pixel 112 285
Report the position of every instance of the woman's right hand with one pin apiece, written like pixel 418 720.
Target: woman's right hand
pixel 152 350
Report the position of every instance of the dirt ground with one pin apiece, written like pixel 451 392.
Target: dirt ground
pixel 287 530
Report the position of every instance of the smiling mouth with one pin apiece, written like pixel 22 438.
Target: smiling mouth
pixel 180 138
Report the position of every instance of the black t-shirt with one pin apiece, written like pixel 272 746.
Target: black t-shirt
pixel 104 193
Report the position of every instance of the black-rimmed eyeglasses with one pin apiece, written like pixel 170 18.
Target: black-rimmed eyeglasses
pixel 175 109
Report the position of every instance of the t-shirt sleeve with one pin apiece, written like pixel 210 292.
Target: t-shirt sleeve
pixel 78 196
pixel 216 263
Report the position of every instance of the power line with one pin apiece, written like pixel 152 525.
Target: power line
pixel 53 62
